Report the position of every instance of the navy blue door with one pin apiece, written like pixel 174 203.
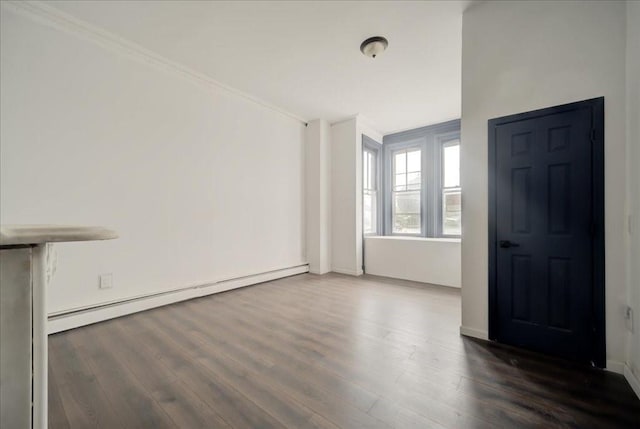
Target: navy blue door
pixel 543 232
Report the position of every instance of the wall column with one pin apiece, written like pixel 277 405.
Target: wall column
pixel 318 195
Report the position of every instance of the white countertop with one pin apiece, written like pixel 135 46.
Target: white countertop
pixel 11 235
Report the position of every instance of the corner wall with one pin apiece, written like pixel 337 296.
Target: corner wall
pixel 346 193
pixel 521 56
pixel 345 222
pixel 318 195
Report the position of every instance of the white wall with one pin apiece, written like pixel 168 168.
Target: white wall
pixel 318 195
pixel 427 260
pixel 364 127
pixel 345 223
pixel 521 56
pixel 201 184
pixel 633 184
pixel 346 192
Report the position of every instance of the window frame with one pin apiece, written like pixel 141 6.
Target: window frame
pixel 370 145
pixel 407 190
pixel 429 140
pixel 442 141
pixel 388 194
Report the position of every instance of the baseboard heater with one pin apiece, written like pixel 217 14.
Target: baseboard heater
pixel 76 317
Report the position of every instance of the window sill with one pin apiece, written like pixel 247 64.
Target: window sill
pixel 409 238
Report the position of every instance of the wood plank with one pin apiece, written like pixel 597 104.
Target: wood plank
pixel 55 403
pixel 312 351
pixel 83 400
pixel 128 397
pixel 291 385
pixel 184 407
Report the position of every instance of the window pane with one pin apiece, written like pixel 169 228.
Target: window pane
pixel 451 159
pixel 367 212
pixel 407 202
pixel 400 162
pixel 413 161
pixel 399 182
pixel 413 181
pixel 372 171
pixel 451 212
pixel 365 170
pixel 374 212
pixel 369 170
pixel 406 224
pixel 369 195
pixel 406 212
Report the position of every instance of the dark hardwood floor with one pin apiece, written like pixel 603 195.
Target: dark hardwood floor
pixel 318 352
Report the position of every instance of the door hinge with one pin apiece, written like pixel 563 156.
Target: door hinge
pixel 593 135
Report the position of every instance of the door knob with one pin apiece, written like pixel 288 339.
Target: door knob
pixel 505 244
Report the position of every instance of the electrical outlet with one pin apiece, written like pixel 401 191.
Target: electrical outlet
pixel 105 281
pixel 628 317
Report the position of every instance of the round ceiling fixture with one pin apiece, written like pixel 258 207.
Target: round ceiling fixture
pixel 374 46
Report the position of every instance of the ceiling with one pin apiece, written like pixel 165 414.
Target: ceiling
pixel 304 57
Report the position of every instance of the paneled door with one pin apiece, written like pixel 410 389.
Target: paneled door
pixel 546 231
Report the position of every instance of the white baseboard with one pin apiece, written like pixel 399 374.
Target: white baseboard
pixel 615 366
pixel 348 272
pixel 63 322
pixel 475 333
pixel 632 380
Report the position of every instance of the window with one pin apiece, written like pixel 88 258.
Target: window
pixel 369 192
pixel 451 192
pixel 422 193
pixel 371 201
pixel 406 190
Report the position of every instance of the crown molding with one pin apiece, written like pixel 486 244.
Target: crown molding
pixel 48 15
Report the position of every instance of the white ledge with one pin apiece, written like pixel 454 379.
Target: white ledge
pixel 12 235
pixel 409 238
